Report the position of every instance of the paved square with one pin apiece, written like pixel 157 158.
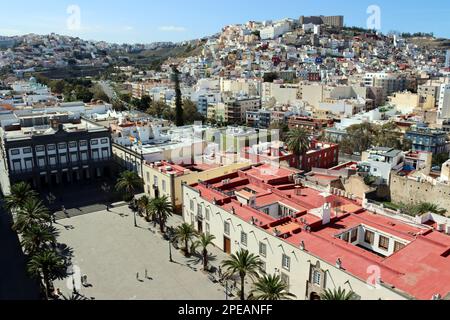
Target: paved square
pixel 111 252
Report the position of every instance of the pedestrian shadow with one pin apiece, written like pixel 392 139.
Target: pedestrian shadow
pixel 67 227
pixel 120 214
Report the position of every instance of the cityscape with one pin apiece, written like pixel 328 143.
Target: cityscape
pixel 301 158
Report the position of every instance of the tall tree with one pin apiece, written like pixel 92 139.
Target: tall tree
pixel 298 141
pixel 243 264
pixel 31 213
pixel 37 237
pixel 158 109
pixel 46 266
pixel 20 194
pixel 162 209
pixel 205 240
pixel 129 182
pixel 271 288
pixel 185 233
pixel 179 112
pixel 144 206
pixel 360 137
pixel 191 113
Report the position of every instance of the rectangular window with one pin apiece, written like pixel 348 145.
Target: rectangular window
pixel 62 146
pixel 207 214
pixel 384 243
pixel 104 141
pixel 262 249
pixel 28 164
pixel 83 143
pixel 52 160
pixel 63 158
pixel 346 237
pixel 263 266
pixel 354 236
pixel 51 147
pixel 72 145
pixel 94 142
pixel 155 181
pixel 105 153
pixel 398 246
pixel 286 262
pixel 164 185
pixel 244 238
pixel 192 205
pixel 84 156
pixel 95 155
pixel 40 149
pixel 207 228
pixel 285 279
pixel 369 237
pixel 199 210
pixel 226 227
pixel 27 151
pixel 41 162
pixel 317 278
pixel 17 165
pixel 15 152
pixel 74 157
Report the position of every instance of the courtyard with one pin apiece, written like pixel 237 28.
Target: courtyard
pixel 124 262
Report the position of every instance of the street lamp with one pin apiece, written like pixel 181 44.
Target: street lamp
pixel 226 290
pixel 170 251
pixel 74 286
pixel 51 200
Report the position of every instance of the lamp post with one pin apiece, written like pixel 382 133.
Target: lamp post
pixel 51 200
pixel 170 250
pixel 226 290
pixel 74 286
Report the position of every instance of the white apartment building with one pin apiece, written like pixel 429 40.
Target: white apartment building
pixel 317 241
pixel 444 101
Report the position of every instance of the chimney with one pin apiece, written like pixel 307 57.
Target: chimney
pixel 339 263
pixel 326 213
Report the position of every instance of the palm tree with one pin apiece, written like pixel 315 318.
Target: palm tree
pixel 243 264
pixel 143 205
pixel 338 294
pixel 37 237
pixel 417 209
pixel 20 193
pixel 46 266
pixel 162 209
pixel 32 212
pixel 205 240
pixel 129 182
pixel 272 288
pixel 298 141
pixel 185 233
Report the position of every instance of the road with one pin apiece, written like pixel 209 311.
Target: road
pixel 108 90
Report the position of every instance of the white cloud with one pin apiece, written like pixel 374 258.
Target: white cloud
pixel 172 29
pixel 128 28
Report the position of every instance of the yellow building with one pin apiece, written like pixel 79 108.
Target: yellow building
pixel 407 102
pixel 166 179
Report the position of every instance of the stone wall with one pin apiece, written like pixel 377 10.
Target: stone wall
pixel 405 190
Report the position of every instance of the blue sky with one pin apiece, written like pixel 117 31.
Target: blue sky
pixel 147 21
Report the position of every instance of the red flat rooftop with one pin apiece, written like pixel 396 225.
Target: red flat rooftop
pixel 420 268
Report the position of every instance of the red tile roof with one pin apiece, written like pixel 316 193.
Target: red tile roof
pixel 421 269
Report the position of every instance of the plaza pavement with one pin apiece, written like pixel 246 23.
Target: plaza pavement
pixel 112 252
